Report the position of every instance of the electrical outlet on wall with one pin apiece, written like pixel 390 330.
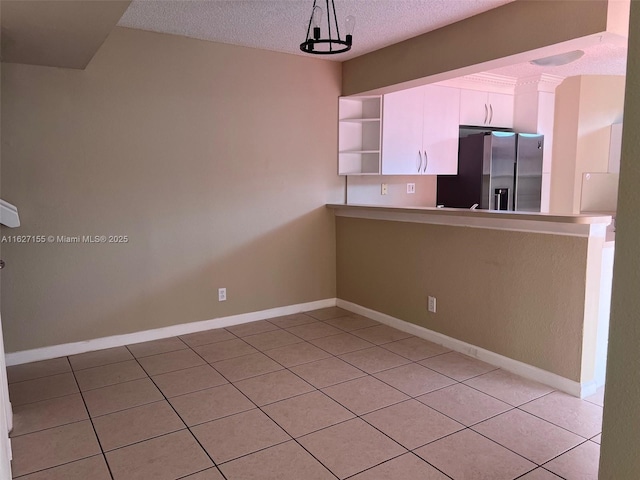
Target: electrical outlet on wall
pixel 411 188
pixel 432 304
pixel 384 189
pixel 222 294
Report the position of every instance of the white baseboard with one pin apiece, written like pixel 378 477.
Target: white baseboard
pixel 519 368
pixel 55 351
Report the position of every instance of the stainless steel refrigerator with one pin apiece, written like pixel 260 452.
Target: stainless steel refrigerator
pixel 496 171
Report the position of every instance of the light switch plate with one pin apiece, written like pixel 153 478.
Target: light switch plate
pixel 411 188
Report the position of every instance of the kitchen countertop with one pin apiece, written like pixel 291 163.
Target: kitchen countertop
pixel 586 225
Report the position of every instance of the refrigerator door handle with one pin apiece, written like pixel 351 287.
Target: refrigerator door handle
pixel 420 164
pixel 426 162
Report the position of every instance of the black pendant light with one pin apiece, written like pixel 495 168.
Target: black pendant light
pixel 332 43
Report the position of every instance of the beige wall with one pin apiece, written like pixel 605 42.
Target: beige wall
pixel 492 35
pixel 366 190
pixel 621 436
pixel 586 106
pixel 216 161
pixel 521 295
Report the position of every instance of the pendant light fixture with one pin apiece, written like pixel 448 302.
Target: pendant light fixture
pixel 332 43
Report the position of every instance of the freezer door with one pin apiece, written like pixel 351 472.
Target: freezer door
pixel 498 171
pixel 529 172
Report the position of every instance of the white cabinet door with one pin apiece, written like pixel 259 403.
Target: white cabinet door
pixel 500 110
pixel 486 109
pixel 440 133
pixel 402 132
pixel 474 107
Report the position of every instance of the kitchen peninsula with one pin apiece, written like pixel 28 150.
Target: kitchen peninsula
pixel 519 290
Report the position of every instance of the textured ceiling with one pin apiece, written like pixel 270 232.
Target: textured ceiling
pixel 281 25
pixel 602 59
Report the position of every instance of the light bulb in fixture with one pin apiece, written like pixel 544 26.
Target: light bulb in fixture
pixel 316 19
pixel 349 24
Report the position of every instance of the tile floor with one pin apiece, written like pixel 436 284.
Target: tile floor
pixel 322 395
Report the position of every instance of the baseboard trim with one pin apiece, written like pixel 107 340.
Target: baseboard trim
pixel 519 368
pixel 55 351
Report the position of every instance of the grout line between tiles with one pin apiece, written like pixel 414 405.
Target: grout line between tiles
pixel 500 399
pixel 559 426
pixel 95 432
pixel 101 454
pixel 419 394
pixel 560 454
pixel 153 437
pixel 228 329
pixel 420 458
pixel 215 467
pixel 452 418
pixel 45 399
pixel 255 451
pixel 552 423
pixel 356 416
pixel 410 452
pixel 205 331
pixel 181 419
pixel 264 413
pixel 151 341
pixel 511 450
pixel 41 377
pixel 101 365
pixel 275 422
pixel 527 472
pixel 381 463
pixel 229 358
pixel 49 428
pixel 194 391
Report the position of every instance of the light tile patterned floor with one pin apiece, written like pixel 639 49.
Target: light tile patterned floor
pixel 322 395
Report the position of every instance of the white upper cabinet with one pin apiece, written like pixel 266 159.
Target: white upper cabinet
pixel 420 131
pixel 441 130
pixel 486 108
pixel 402 132
pixel 501 109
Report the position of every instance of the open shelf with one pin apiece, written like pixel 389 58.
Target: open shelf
pixel 359 135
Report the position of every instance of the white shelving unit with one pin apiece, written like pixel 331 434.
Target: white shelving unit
pixel 359 135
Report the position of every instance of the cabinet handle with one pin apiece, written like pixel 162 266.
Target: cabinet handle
pixel 491 114
pixel 426 162
pixel 420 164
pixel 486 113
